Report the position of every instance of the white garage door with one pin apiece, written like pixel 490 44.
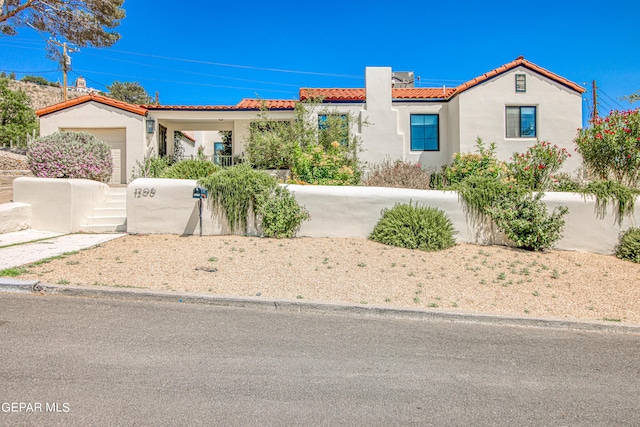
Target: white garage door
pixel 117 139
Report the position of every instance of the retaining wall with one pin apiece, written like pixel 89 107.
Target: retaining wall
pixel 354 211
pixel 59 205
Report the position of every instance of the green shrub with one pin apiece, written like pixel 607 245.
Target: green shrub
pixel 484 163
pixel 610 147
pixel 534 168
pixel 614 192
pixel 70 155
pixel 398 174
pixel 482 192
pixel 629 247
pixel 281 214
pixel 334 165
pixel 190 169
pixel 236 191
pixel 524 220
pixel 567 183
pixel 150 167
pixel 414 227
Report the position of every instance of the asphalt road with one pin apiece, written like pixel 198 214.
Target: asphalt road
pixel 117 363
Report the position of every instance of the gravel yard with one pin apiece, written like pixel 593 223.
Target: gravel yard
pixel 465 278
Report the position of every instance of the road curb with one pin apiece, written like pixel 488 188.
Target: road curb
pixel 14 285
pixel 319 307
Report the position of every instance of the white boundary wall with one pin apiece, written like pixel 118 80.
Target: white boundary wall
pixel 353 212
pixel 60 205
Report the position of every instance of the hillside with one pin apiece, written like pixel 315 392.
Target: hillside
pixel 41 96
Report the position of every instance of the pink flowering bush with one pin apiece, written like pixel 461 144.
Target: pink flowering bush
pixel 70 155
pixel 610 147
pixel 535 169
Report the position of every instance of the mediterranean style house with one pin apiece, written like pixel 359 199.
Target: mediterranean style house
pixel 513 105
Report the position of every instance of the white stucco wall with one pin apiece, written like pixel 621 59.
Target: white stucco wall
pixel 482 113
pixel 99 116
pixel 354 212
pixel 60 205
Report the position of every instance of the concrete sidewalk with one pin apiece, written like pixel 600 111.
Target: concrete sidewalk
pixel 24 247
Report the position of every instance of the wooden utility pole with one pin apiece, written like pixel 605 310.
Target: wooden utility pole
pixel 66 65
pixel 595 100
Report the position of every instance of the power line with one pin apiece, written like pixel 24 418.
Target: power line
pixel 185 83
pixel 193 72
pixel 613 100
pixel 249 67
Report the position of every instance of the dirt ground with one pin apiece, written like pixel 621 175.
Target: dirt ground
pixel 465 278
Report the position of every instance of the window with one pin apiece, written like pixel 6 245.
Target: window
pixel 521 122
pixel 425 132
pixel 333 127
pixel 521 82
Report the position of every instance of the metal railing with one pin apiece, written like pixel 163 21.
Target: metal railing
pixel 222 160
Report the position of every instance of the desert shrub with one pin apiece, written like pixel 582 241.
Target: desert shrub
pixel 70 155
pixel 482 192
pixel 334 165
pixel 398 174
pixel 535 168
pixel 150 167
pixel 629 246
pixel 238 190
pixel 190 169
pixel 622 197
pixel 567 183
pixel 610 147
pixel 484 163
pixel 281 215
pixel 524 219
pixel 414 227
pixel 270 145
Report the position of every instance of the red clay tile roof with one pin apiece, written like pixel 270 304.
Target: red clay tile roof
pixel 359 94
pixel 256 104
pixel 337 94
pixel 137 109
pixel 245 104
pixel 513 64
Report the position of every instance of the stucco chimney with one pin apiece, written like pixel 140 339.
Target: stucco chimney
pixel 378 87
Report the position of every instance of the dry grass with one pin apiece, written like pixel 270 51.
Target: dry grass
pixel 465 278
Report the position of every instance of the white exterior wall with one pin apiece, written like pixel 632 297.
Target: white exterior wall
pixel 60 205
pixel 99 116
pixel 482 113
pixel 354 211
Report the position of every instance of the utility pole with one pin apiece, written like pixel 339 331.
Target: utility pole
pixel 66 65
pixel 595 100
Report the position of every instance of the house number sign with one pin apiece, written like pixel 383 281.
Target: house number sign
pixel 144 192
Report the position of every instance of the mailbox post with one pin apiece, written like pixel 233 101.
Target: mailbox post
pixel 200 193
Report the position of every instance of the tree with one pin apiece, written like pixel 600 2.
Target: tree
pixel 634 97
pixel 130 92
pixel 81 22
pixel 17 118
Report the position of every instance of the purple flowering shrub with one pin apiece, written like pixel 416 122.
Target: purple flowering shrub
pixel 70 155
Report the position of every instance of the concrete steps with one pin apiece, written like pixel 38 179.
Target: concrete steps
pixel 110 216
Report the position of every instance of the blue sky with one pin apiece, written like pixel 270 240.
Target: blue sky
pixel 216 53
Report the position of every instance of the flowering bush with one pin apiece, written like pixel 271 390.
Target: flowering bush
pixel 484 163
pixel 535 168
pixel 610 147
pixel 334 165
pixel 70 155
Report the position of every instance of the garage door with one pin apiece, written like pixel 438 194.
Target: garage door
pixel 117 139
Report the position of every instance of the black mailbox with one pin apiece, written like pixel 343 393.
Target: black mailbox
pixel 200 193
